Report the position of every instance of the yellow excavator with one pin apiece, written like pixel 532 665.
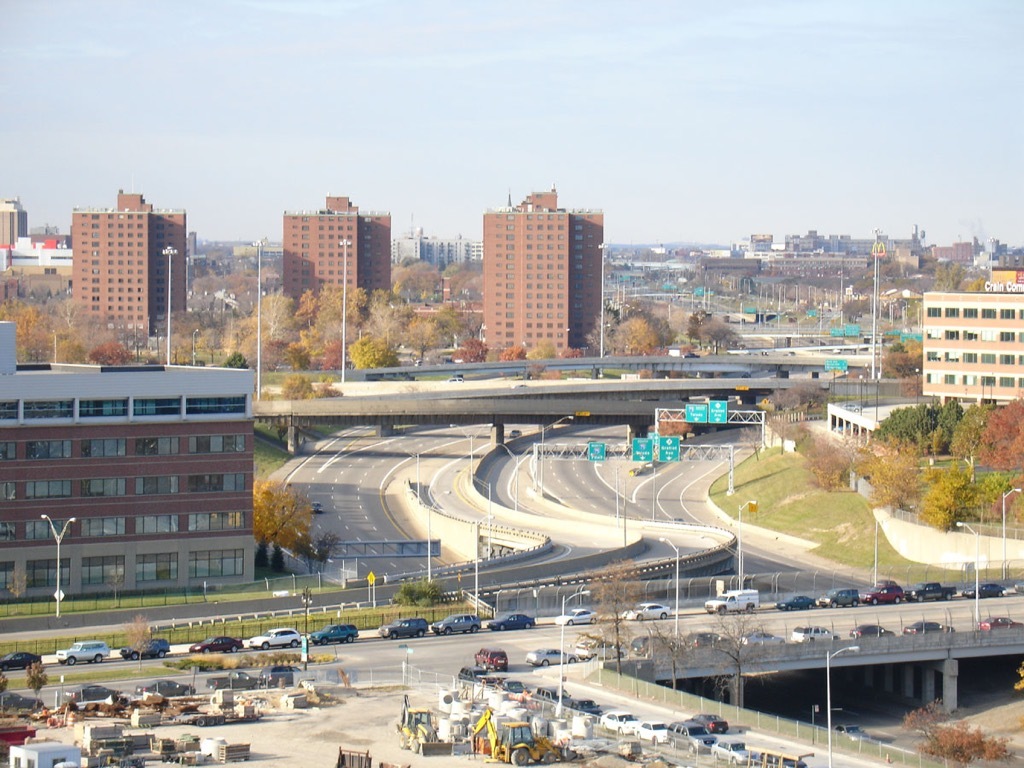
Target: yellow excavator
pixel 416 731
pixel 514 743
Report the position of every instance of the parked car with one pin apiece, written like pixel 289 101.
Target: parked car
pixel 18 660
pixel 15 702
pixel 889 594
pixel 551 694
pixel 457 622
pixel 653 731
pixel 154 648
pixel 713 723
pixel 732 752
pixel 166 688
pixel 278 676
pixel 810 634
pixel 854 732
pixel 702 639
pixel 870 630
pixel 220 644
pixel 591 648
pixel 512 687
pixel 234 680
pixel 984 591
pixel 93 694
pixel 492 658
pixel 645 611
pixel 836 598
pixel 545 656
pixel 414 627
pixel 692 736
pixel 93 651
pixel 924 627
pixel 334 633
pixel 586 706
pixel 619 721
pixel 511 621
pixel 472 674
pixel 282 637
pixel 576 616
pixel 796 603
pixel 762 638
pixel 1001 622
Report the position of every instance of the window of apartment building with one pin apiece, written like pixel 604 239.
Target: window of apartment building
pixel 1007 382
pixel 103 447
pixel 8 410
pixel 952 312
pixel 48 489
pixel 970 336
pixel 988 381
pixel 988 358
pixel 8 531
pixel 6 574
pixel 970 313
pixel 156 486
pixel 156 446
pixel 1007 359
pixel 103 526
pixel 49 409
pixel 105 569
pixel 216 444
pixel 8 450
pixel 155 524
pixel 215 562
pixel 1009 336
pixel 36 530
pixel 212 405
pixel 214 483
pixel 988 335
pixel 934 312
pixel 159 567
pixel 103 486
pixel 43 573
pixel 215 521
pixel 949 378
pixel 951 335
pixel 988 314
pixel 1007 314
pixel 969 357
pixel 91 409
pixel 157 406
pixel 8 491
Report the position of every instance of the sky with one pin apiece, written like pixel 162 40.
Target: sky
pixel 684 121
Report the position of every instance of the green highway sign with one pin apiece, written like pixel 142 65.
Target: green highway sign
pixel 836 364
pixel 643 449
pixel 697 413
pixel 668 448
pixel 718 412
pixel 596 451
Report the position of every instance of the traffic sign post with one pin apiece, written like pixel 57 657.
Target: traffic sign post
pixel 697 413
pixel 668 448
pixel 596 451
pixel 837 364
pixel 643 449
pixel 371 588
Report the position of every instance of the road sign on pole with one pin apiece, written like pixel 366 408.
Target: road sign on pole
pixel 718 412
pixel 697 413
pixel 596 451
pixel 836 364
pixel 668 448
pixel 643 449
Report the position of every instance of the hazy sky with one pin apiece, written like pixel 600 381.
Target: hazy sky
pixel 698 121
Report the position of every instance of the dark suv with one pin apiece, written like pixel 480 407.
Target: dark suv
pixel 335 633
pixel 839 597
pixel 278 676
pixel 416 627
pixel 457 622
pixel 156 648
pixel 492 658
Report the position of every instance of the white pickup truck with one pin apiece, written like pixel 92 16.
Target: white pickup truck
pixel 734 601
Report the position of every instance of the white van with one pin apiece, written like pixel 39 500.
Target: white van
pixel 734 601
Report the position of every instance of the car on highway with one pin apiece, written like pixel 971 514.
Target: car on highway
pixel 413 627
pixel 576 616
pixel 985 591
pixel 281 637
pixel 645 611
pixel 154 648
pixel 796 603
pixel 509 621
pixel 592 648
pixel 762 638
pixel 93 694
pixel 810 634
pixel 713 723
pixel 457 622
pixel 731 752
pixel 925 627
pixel 494 659
pixel 836 598
pixel 854 732
pixel 653 732
pixel 692 736
pixel 544 657
pixel 92 651
pixel 870 630
pixel 219 644
pixel 999 622
pixel 702 640
pixel 167 688
pixel 11 701
pixel 619 721
pixel 318 508
pixel 334 633
pixel 18 660
pixel 887 594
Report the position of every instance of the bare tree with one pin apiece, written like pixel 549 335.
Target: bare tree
pixel 116 582
pixel 18 582
pixel 733 651
pixel 36 677
pixel 615 590
pixel 138 634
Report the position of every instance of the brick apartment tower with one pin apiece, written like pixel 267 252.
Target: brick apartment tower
pixel 314 256
pixel 542 274
pixel 120 273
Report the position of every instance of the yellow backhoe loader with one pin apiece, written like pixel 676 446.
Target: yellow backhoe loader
pixel 416 731
pixel 514 743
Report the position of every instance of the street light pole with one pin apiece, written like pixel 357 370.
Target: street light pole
pixel 561 650
pixel 58 537
pixel 1012 490
pixel 874 572
pixel 977 576
pixel 196 331
pixel 540 456
pixel 344 307
pixel 259 318
pixel 751 506
pixel 170 252
pixel 828 692
pixel 663 540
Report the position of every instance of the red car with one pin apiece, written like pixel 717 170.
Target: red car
pixel 999 623
pixel 890 593
pixel 217 645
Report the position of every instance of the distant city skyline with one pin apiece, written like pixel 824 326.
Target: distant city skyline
pixel 681 121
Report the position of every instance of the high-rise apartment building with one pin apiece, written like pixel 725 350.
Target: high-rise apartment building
pixel 328 246
pixel 542 274
pixel 126 258
pixel 13 221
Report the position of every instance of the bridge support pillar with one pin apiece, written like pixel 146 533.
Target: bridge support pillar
pixel 907 683
pixel 497 434
pixel 928 674
pixel 385 430
pixel 888 684
pixel 636 430
pixel 294 440
pixel 950 669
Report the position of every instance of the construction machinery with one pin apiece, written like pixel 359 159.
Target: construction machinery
pixel 416 731
pixel 514 742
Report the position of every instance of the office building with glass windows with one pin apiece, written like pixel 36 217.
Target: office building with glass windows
pixel 154 463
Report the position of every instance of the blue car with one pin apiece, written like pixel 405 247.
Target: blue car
pixel 511 621
pixel 796 603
